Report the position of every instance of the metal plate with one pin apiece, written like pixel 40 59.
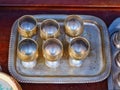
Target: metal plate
pixel 8 83
pixel 95 68
pixel 112 84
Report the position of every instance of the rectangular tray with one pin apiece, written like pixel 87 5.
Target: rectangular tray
pixel 112 84
pixel 95 68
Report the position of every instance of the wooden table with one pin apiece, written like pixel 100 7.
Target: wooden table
pixel 11 10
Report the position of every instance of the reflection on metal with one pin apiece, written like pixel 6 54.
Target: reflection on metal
pixel 116 39
pixel 114 79
pixel 52 52
pixel 79 49
pixel 27 26
pixel 96 66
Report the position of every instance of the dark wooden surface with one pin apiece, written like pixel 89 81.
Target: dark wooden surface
pixel 9 14
pixel 75 3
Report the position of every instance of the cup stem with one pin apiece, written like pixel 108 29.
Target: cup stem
pixel 75 63
pixel 30 64
pixel 52 64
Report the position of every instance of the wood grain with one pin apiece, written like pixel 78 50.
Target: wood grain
pixel 65 3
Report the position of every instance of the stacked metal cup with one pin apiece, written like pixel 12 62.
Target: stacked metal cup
pixel 116 39
pixel 27 50
pixel 79 47
pixel 52 47
pixel 117 58
pixel 116 42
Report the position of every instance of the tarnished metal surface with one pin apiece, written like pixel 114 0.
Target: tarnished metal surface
pixel 114 79
pixel 96 66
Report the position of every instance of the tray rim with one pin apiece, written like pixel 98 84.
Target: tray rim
pixel 24 79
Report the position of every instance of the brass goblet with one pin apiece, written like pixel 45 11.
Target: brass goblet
pixel 49 29
pixel 27 26
pixel 27 52
pixel 52 52
pixel 73 27
pixel 78 50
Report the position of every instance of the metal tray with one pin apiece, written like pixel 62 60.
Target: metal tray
pixel 96 67
pixel 112 84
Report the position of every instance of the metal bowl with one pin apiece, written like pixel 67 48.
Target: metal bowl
pixel 116 39
pixel 52 49
pixel 8 83
pixel 117 58
pixel 73 25
pixel 79 48
pixel 49 29
pixel 27 50
pixel 27 26
pixel 118 79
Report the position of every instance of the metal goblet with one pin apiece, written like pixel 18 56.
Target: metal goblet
pixel 49 29
pixel 78 50
pixel 52 52
pixel 27 52
pixel 73 27
pixel 27 26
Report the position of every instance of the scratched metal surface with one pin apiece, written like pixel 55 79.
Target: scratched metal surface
pixel 112 83
pixel 96 66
